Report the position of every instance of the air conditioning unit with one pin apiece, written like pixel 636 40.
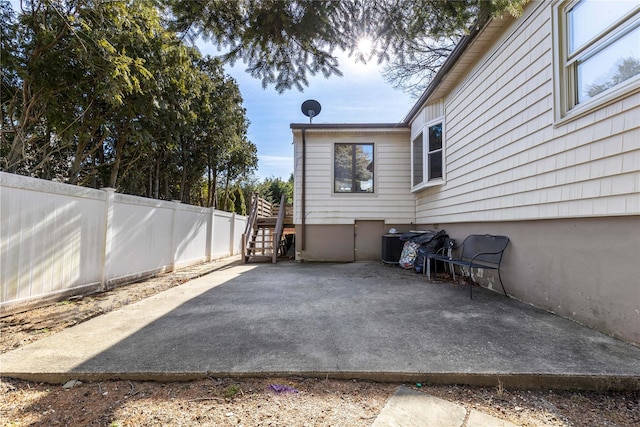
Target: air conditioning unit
pixel 391 248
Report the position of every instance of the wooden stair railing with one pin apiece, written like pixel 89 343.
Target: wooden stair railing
pixel 263 233
pixel 251 225
pixel 279 229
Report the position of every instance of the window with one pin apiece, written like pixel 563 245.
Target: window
pixel 418 161
pixel 599 51
pixel 353 168
pixel 427 156
pixel 435 152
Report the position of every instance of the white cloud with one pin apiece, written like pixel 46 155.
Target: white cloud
pixel 276 166
pixel 276 160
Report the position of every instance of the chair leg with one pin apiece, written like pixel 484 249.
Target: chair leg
pixel 503 289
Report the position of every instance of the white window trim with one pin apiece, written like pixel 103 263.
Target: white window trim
pixel 424 130
pixel 564 110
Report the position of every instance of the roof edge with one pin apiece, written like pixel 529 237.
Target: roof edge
pixel 448 64
pixel 400 125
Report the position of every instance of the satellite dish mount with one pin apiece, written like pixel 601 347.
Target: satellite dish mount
pixel 311 108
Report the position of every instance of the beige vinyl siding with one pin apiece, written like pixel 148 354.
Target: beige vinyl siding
pixel 392 200
pixel 505 159
pixel 428 114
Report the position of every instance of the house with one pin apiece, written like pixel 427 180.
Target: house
pixel 531 129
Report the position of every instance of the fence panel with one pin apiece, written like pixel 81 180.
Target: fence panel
pixel 58 239
pixel 141 238
pixel 238 230
pixel 222 222
pixel 191 234
pixel 51 237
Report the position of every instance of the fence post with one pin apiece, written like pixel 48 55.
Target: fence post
pixel 232 229
pixel 210 230
pixel 174 234
pixel 107 235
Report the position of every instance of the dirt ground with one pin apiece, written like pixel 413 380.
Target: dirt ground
pixel 254 402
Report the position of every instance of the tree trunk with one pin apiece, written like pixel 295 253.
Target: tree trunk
pixel 214 191
pixel 226 193
pixel 209 201
pixel 183 175
pixel 117 160
pixel 156 192
pixel 29 112
pixel 78 157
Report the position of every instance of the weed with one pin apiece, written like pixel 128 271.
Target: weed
pixel 231 391
pixel 500 389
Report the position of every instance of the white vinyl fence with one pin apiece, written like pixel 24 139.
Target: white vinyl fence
pixel 58 240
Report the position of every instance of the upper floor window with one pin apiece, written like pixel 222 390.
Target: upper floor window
pixel 427 156
pixel 353 168
pixel 599 51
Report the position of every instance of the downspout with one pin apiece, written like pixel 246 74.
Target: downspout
pixel 303 194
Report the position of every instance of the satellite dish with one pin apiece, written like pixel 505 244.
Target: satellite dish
pixel 311 108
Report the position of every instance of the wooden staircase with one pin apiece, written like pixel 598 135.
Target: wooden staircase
pixel 263 236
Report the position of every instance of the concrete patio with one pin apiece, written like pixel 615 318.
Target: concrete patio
pixel 358 320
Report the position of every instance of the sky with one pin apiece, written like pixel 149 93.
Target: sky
pixel 360 96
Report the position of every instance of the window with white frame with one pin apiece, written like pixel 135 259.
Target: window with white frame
pixel 598 51
pixel 434 153
pixel 353 168
pixel 418 161
pixel 427 156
